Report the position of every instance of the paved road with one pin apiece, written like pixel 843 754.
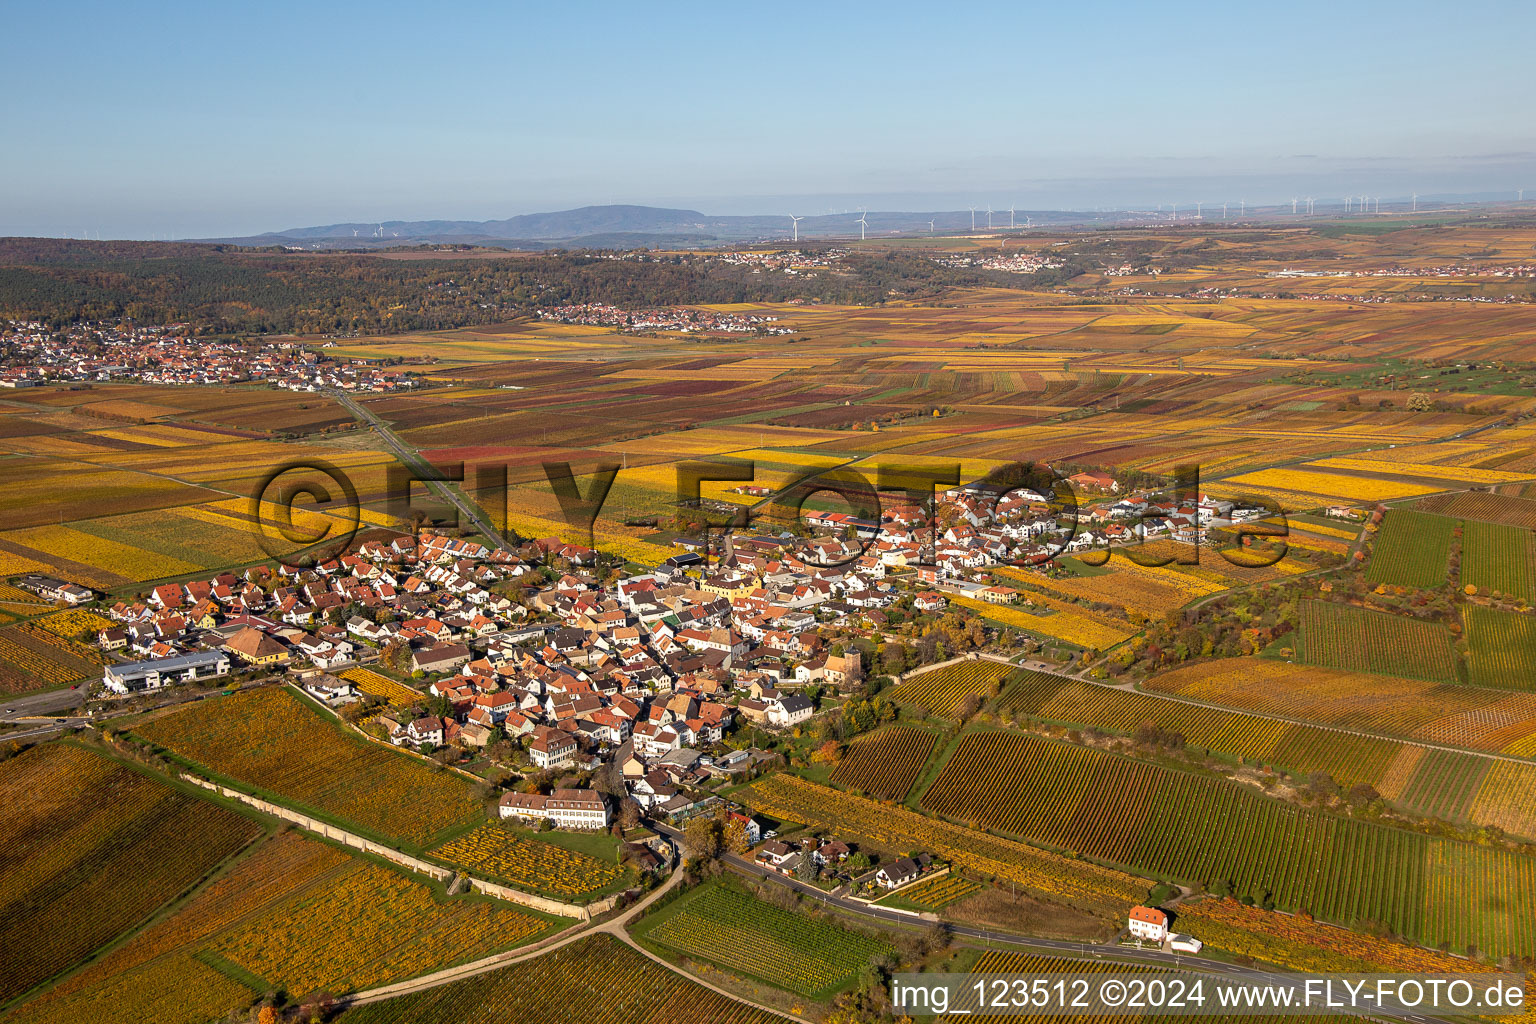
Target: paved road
pixel 412 458
pixel 50 704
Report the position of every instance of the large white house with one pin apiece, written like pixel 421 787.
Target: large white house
pixel 568 808
pixel 1148 923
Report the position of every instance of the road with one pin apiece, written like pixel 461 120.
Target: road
pixel 1052 947
pixel 412 458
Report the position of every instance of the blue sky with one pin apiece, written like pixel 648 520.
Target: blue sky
pixel 231 118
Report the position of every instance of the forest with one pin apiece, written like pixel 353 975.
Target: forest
pixel 224 290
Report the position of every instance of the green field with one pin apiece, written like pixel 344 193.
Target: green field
pixel 1501 648
pixel 1499 559
pixel 1361 640
pixel 723 924
pixel 1411 549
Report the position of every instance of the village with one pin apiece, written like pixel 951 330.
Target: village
pixel 614 694
pixel 32 353
pixel 684 319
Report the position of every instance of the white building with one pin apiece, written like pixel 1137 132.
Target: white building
pixel 1148 923
pixel 152 675
pixel 581 809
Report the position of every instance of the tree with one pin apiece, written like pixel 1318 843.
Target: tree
pixel 629 813
pixel 703 836
pixel 807 870
pixel 266 1015
pixel 734 836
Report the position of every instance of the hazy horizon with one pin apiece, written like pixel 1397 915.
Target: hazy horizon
pixel 238 123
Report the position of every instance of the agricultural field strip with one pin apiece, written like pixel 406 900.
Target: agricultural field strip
pixel 113 467
pixel 1270 716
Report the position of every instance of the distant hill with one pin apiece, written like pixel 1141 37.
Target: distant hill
pixel 621 226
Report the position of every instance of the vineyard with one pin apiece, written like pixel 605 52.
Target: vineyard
pixel 498 851
pixel 270 739
pixel 942 690
pixel 80 824
pixel 1173 824
pixel 296 913
pixel 369 925
pixel 1499 560
pixel 896 829
pixel 934 893
pixel 1501 648
pixel 1360 640
pixel 1302 945
pixel 375 685
pixel 1435 712
pixel 723 924
pixel 884 765
pixel 1486 507
pixel 1411 549
pixel 598 980
pixel 1298 748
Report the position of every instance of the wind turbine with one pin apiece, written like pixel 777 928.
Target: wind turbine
pixel 1294 201
pixel 1415 202
pixel 973 218
pixel 930 227
pixel 862 224
pixel 1311 205
pixel 1199 211
pixel 1242 208
pixel 989 217
pixel 1223 211
pixel 1010 216
pixel 1521 194
pixel 795 221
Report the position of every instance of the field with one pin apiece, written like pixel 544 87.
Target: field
pixel 942 690
pixel 1052 877
pixel 82 831
pixel 375 685
pixel 295 913
pixel 885 764
pixel 1499 560
pixel 1173 824
pixel 274 741
pixel 1061 620
pixel 595 981
pixel 1298 748
pixel 502 853
pixel 1360 640
pixel 934 893
pixel 1414 709
pixel 1301 945
pixel 723 924
pixel 1411 549
pixel 1501 648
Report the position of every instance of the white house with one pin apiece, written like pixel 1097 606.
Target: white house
pixel 787 711
pixel 1148 923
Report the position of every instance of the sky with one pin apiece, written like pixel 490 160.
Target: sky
pixel 218 119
